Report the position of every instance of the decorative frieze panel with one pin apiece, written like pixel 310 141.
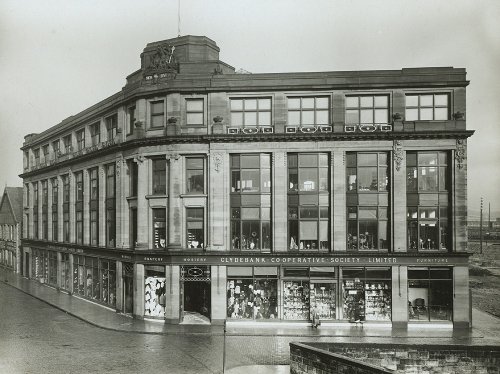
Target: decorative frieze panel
pixel 398 154
pixel 461 152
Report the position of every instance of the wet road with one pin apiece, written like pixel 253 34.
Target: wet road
pixel 37 338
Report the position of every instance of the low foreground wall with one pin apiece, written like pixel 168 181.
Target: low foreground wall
pixel 361 358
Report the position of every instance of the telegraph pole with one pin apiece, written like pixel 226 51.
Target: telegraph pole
pixel 481 228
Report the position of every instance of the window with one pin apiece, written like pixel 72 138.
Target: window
pixel 251 112
pixel 55 148
pixel 427 107
pixel 79 207
pixel 252 293
pixel 133 227
pixel 94 206
pixel 159 228
pixel 52 273
pixel 195 228
pixel 157 113
pixel 367 201
pixel 65 181
pixel 65 271
pixel 67 144
pixel 367 110
pixel 308 201
pixel 131 119
pixel 55 209
pixel 194 112
pixel 45 209
pixel 195 178
pixel 305 111
pixel 430 294
pixel 112 127
pixel 107 270
pixel 80 139
pixel 95 133
pixel 45 150
pixel 110 206
pixel 428 196
pixel 35 210
pixel 159 177
pixel 134 178
pixel 251 202
pixel 36 154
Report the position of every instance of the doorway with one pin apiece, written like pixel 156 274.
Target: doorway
pixel 128 287
pixel 195 302
pixel 27 264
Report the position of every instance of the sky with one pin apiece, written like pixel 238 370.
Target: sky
pixel 58 57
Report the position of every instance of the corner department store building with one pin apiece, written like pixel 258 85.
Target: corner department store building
pixel 199 193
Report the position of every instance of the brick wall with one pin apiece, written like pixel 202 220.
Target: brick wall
pixel 418 359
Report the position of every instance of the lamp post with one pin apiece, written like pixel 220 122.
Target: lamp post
pixel 224 349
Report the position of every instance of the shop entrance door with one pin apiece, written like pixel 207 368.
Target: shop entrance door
pixel 195 298
pixel 323 299
pixel 128 288
pixel 27 265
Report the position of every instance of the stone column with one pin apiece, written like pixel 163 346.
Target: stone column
pixel 280 202
pixel 86 208
pixel 123 212
pixel 143 231
pixel 400 296
pixel 119 287
pixel 139 291
pixel 218 294
pixel 461 301
pixel 218 201
pixel 72 214
pixel 40 210
pixel 339 201
pixel 119 201
pixel 49 210
pixel 175 214
pixel 102 205
pixel 59 267
pixel 30 211
pixel 60 215
pixel 398 193
pixel 172 293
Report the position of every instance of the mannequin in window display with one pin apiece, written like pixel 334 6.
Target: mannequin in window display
pixel 293 243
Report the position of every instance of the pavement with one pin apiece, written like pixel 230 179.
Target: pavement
pixel 485 331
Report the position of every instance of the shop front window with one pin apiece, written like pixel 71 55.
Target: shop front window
pixel 154 291
pixel 65 271
pixel 252 293
pixel 108 282
pixel 52 276
pixel 430 294
pixel 308 202
pixel 366 294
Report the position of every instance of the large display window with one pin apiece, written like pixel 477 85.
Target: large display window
pixel 95 279
pixel 154 291
pixel 366 294
pixel 252 293
pixel 430 294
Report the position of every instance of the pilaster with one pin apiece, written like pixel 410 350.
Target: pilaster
pixel 172 290
pixel 218 201
pixel 400 296
pixel 461 299
pixel 102 205
pixel 175 214
pixel 459 201
pixel 86 208
pixel 72 214
pixel 218 294
pixel 142 203
pixel 398 192
pixel 60 215
pixel 138 291
pixel 339 201
pixel 49 211
pixel 280 203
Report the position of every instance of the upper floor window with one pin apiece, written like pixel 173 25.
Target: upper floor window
pixel 131 119
pixel 112 126
pixel 159 228
pixel 67 143
pixel 157 113
pixel 134 178
pixel 194 227
pixel 250 173
pixel 305 111
pixel 55 147
pixel 36 154
pixel 194 112
pixel 251 112
pixel 195 178
pixel 367 172
pixel 80 139
pixel 45 150
pixel 427 171
pixel 159 177
pixel 308 172
pixel 427 107
pixel 95 133
pixel 367 110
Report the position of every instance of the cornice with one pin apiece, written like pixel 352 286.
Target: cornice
pixel 251 138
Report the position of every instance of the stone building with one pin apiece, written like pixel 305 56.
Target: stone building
pixel 11 219
pixel 197 194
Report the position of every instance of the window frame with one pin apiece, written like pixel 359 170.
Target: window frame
pixel 156 220
pixel 257 111
pixel 315 109
pixel 95 133
pixel 192 219
pixel 188 111
pixel 373 108
pixel 94 206
pixel 188 170
pixel 419 107
pixel 80 139
pixel 159 175
pixel 153 114
pixel 131 111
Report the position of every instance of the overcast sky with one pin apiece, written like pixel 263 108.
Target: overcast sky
pixel 59 57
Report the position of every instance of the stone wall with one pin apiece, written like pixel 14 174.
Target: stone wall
pixel 417 359
pixel 307 359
